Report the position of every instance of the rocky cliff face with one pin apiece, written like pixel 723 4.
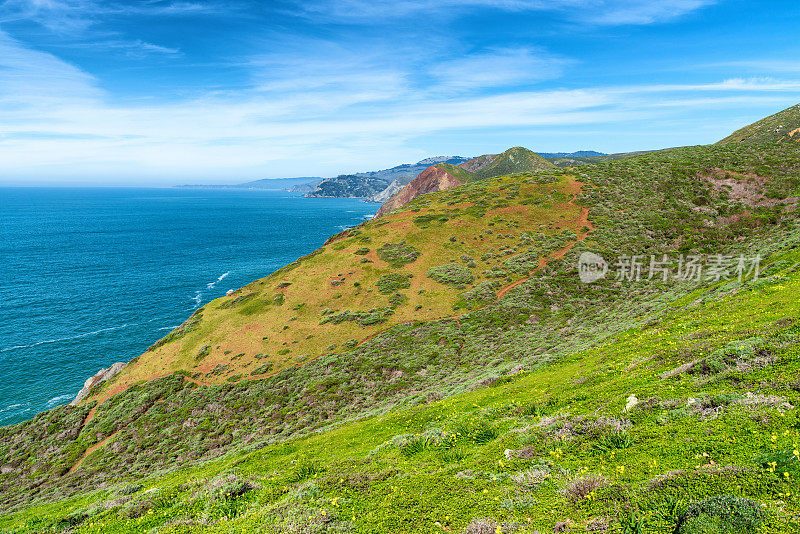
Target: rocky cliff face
pixel 394 188
pixel 434 178
pixel 103 375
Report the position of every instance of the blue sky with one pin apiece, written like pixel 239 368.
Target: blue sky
pixel 163 92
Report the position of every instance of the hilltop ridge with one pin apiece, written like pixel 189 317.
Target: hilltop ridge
pixel 782 127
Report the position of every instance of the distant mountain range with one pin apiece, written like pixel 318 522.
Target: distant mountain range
pixel 576 154
pixel 277 184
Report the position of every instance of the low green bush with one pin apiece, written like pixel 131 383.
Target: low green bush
pixel 451 274
pixel 398 254
pixel 722 514
pixel 393 282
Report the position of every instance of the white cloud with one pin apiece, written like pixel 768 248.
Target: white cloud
pixel 314 108
pixel 39 80
pixel 602 12
pixel 250 133
pixel 498 68
pixel 641 11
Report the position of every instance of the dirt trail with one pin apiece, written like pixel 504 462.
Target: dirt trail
pixel 113 391
pixel 582 220
pixel 89 451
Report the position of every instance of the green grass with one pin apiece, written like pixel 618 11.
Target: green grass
pixel 468 456
pixel 381 410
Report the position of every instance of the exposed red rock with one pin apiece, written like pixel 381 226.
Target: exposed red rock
pixel 431 179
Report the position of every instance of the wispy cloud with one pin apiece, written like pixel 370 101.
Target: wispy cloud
pixel 770 65
pixel 602 12
pixel 87 23
pixel 498 68
pixel 40 80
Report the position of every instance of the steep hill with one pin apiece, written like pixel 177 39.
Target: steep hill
pixel 439 177
pixel 445 176
pixel 782 127
pixel 444 368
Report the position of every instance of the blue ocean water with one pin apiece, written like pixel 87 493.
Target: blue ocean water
pixel 92 276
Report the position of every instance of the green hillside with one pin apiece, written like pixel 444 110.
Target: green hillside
pixel 782 127
pixel 444 369
pixel 516 159
pixel 456 171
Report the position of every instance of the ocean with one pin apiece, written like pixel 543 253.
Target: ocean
pixel 92 276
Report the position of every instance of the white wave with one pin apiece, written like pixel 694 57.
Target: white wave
pixel 211 285
pixel 68 338
pixel 58 400
pixel 168 328
pixel 13 409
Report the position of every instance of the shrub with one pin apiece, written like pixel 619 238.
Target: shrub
pixel 398 254
pixel 393 282
pixel 452 274
pixel 533 477
pixel 362 251
pixel 413 445
pixel 397 299
pixel 483 433
pixel 722 514
pixel 481 526
pixel 229 488
pixel 302 470
pixel 363 318
pixel 579 488
pixel 483 293
pixel 263 369
pixel 203 352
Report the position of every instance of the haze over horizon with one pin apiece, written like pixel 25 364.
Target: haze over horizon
pixel 168 92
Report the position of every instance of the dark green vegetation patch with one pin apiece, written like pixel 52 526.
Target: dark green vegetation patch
pixel 398 254
pixel 393 282
pixel 452 274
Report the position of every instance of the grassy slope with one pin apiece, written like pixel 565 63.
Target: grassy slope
pixel 781 127
pixel 655 203
pixel 265 323
pixel 362 478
